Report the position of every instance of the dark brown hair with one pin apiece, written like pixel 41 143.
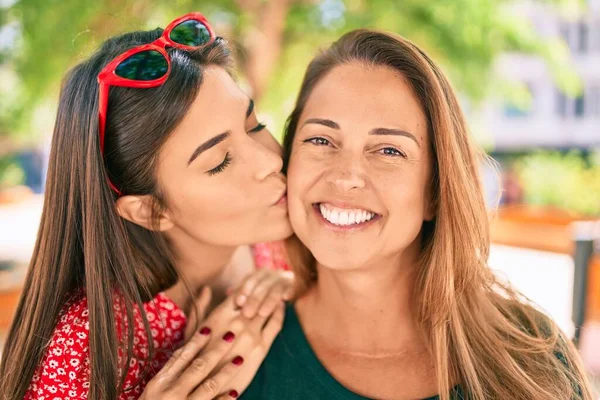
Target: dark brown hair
pixel 480 332
pixel 83 244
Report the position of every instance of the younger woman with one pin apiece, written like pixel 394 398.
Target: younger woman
pixel 159 172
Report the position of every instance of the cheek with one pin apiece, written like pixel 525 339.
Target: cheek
pixel 300 180
pixel 193 205
pixel 404 195
pixel 302 173
pixel 204 204
pixel 295 185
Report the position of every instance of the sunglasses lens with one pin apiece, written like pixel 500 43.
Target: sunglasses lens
pixel 143 66
pixel 190 33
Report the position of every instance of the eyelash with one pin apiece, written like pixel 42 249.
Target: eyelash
pixel 315 139
pixel 219 168
pixel 319 141
pixel 395 154
pixel 222 166
pixel 257 128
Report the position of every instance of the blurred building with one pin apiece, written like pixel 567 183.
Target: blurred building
pixel 552 119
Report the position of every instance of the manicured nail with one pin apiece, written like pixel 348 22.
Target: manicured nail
pixel 205 331
pixel 228 337
pixel 234 394
pixel 237 361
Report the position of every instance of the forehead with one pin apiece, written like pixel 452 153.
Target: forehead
pixel 219 91
pixel 219 103
pixel 220 106
pixel 373 96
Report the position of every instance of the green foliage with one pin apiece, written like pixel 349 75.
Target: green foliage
pixel 465 36
pixel 11 174
pixel 568 181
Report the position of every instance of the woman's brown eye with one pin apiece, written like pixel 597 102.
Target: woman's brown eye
pixel 318 141
pixel 390 151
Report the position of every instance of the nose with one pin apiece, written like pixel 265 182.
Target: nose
pixel 266 161
pixel 347 174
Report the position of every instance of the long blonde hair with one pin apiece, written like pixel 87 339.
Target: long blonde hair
pixel 481 332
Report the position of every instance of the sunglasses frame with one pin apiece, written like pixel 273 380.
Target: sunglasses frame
pixel 108 76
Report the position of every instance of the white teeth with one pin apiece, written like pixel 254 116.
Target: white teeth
pixel 352 218
pixel 335 217
pixel 344 217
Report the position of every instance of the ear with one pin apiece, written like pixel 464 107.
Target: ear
pixel 138 209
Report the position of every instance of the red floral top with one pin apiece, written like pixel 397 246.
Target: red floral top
pixel 63 373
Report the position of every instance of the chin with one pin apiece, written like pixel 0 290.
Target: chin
pixel 340 261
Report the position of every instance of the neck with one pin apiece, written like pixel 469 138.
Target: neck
pixel 368 310
pixel 198 264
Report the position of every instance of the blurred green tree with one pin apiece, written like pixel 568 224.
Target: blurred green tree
pixel 274 40
pixel 567 181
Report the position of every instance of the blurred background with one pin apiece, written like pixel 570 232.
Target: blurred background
pixel 528 74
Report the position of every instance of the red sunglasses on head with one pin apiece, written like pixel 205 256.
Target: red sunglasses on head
pixel 148 65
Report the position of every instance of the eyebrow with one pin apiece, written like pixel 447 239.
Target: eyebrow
pixel 209 144
pixel 319 121
pixel 376 131
pixel 395 132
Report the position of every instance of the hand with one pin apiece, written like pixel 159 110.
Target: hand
pixel 209 365
pixel 261 291
pixel 254 338
pixel 191 373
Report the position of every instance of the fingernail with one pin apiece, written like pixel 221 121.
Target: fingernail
pixel 241 300
pixel 205 331
pixel 234 394
pixel 237 361
pixel 228 337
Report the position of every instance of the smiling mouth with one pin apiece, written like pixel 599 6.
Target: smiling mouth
pixel 345 217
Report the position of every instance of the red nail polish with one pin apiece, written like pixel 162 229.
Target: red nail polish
pixel 228 337
pixel 205 331
pixel 234 394
pixel 239 360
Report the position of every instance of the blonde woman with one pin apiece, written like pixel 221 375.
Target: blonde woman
pixel 396 300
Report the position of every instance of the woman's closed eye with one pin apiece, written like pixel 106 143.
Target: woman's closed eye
pixel 227 160
pixel 219 168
